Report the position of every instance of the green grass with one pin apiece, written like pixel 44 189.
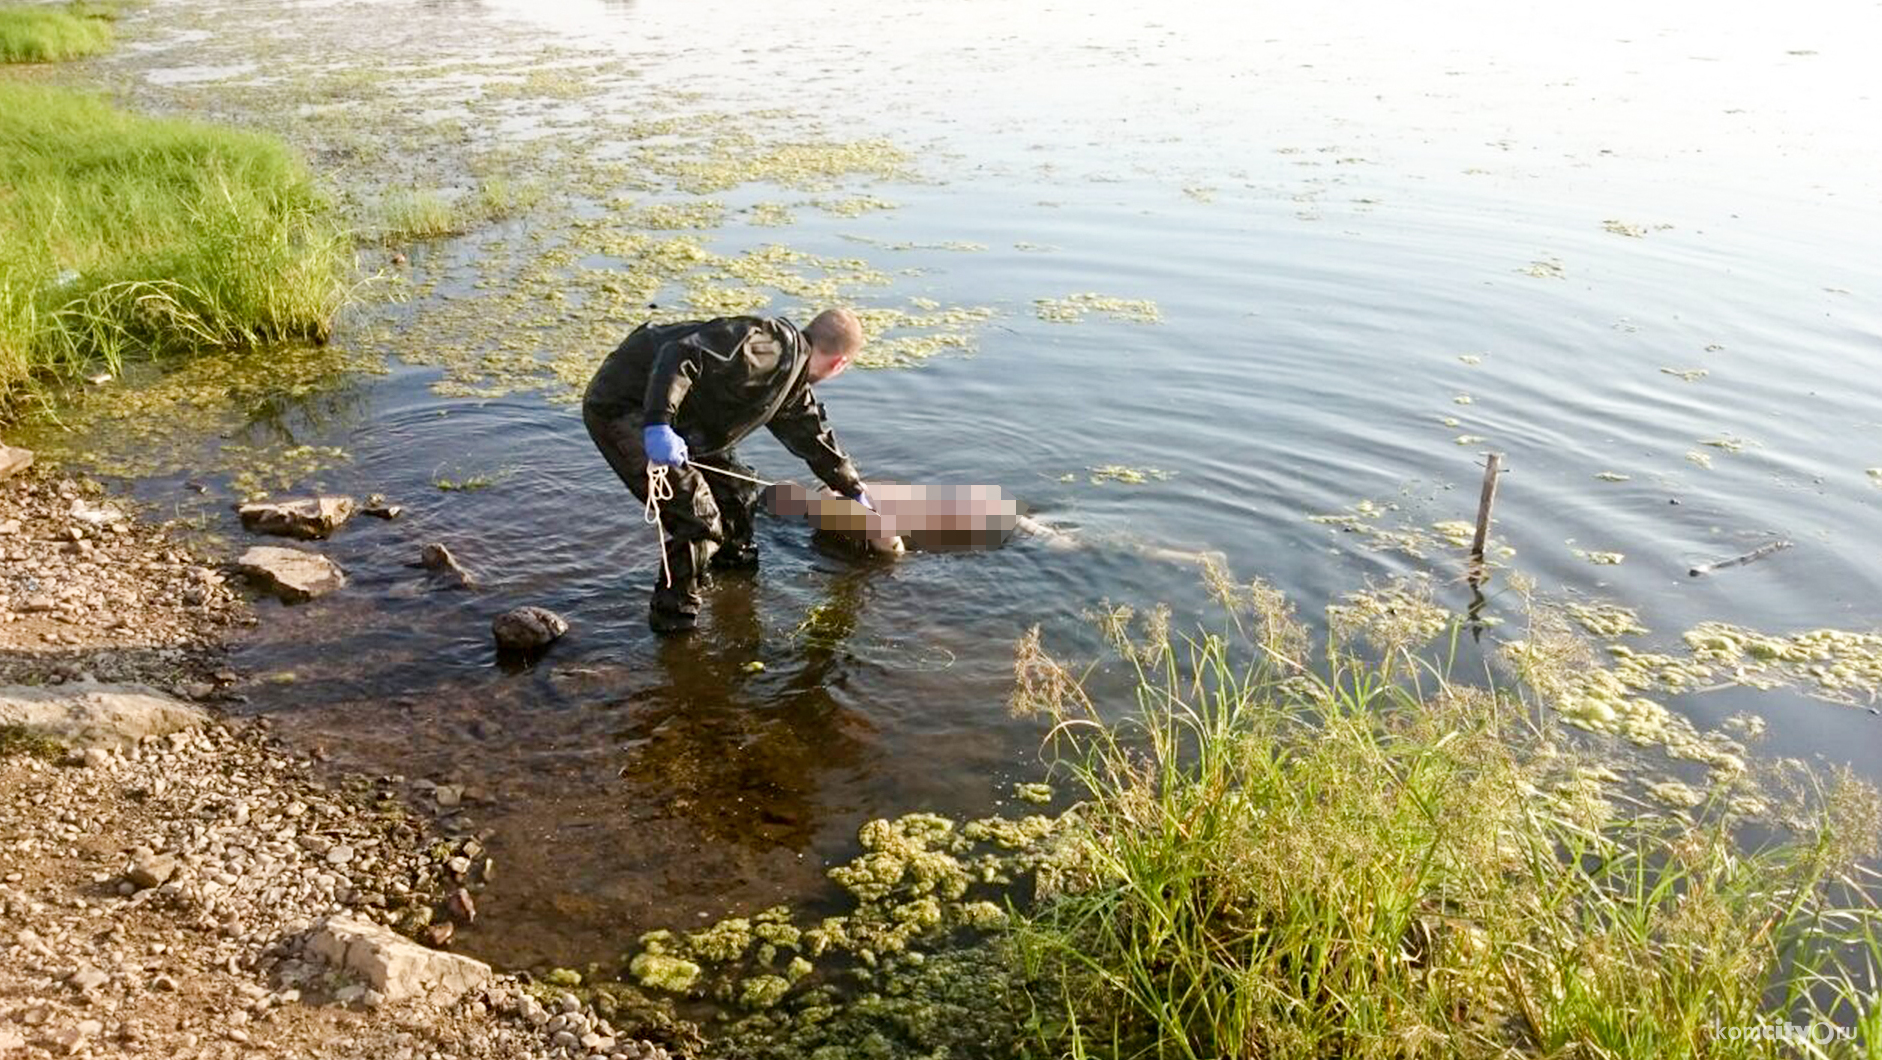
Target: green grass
pixel 123 235
pixel 408 214
pixel 37 33
pixel 1352 859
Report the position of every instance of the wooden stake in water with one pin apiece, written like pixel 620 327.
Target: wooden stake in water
pixel 1492 467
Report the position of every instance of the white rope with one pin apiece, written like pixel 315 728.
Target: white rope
pixel 658 490
pixel 732 474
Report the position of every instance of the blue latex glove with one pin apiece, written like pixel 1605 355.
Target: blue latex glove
pixel 861 496
pixel 663 444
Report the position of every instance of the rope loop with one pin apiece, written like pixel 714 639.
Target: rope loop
pixel 659 490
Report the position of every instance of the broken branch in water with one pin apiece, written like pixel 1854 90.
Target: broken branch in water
pixel 1755 554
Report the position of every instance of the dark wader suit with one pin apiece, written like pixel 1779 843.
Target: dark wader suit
pixel 713 382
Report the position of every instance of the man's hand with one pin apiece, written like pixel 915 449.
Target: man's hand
pixel 663 444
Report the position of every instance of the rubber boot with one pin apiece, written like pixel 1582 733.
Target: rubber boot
pixel 675 608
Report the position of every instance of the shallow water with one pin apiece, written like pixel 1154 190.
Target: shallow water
pixel 1348 225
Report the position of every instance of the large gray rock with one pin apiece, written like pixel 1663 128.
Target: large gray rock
pixel 290 573
pixel 392 964
pixel 306 518
pixel 13 461
pixel 527 628
pixel 91 715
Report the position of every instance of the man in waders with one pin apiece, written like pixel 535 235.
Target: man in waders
pixel 680 396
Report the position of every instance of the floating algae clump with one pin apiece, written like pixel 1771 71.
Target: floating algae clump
pixel 909 884
pixel 899 338
pixel 725 941
pixel 1041 793
pixel 1072 308
pixel 769 215
pixel 1565 670
pixel 1690 375
pixel 763 991
pixel 1364 518
pixel 954 1004
pixel 1598 558
pixel 695 213
pixel 1836 664
pixel 1601 701
pixel 1606 620
pixel 854 207
pixel 660 972
pixel 731 160
pixel 1546 269
pixel 1135 476
pixel 1455 531
pixel 909 852
pixel 1676 793
pixel 1399 614
pixel 1009 834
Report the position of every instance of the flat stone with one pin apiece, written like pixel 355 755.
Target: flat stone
pixel 152 871
pixel 305 517
pixel 291 574
pixel 392 964
pixel 96 716
pixel 528 628
pixel 87 979
pixel 13 461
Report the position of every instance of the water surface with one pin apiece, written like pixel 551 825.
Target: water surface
pixel 1348 224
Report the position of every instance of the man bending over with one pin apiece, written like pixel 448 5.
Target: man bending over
pixel 681 396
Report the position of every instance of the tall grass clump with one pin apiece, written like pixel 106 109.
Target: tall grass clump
pixel 122 234
pixel 1354 857
pixel 406 214
pixel 40 33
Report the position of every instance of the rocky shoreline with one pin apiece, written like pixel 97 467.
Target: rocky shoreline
pixel 174 882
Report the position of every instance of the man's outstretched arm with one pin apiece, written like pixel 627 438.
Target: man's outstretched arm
pixel 801 427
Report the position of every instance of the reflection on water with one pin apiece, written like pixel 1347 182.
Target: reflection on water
pixel 1378 245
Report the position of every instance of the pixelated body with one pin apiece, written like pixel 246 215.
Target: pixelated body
pixel 924 518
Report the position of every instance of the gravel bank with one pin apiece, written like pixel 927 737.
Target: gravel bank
pixel 209 892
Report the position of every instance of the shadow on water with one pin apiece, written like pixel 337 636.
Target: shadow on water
pixel 610 790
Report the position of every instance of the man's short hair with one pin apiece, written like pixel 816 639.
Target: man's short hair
pixel 836 331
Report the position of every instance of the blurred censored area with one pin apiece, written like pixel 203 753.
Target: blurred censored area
pixel 925 518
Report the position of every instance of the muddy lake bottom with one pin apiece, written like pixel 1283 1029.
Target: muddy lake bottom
pixel 1346 262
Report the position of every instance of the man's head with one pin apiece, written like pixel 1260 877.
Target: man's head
pixel 835 336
